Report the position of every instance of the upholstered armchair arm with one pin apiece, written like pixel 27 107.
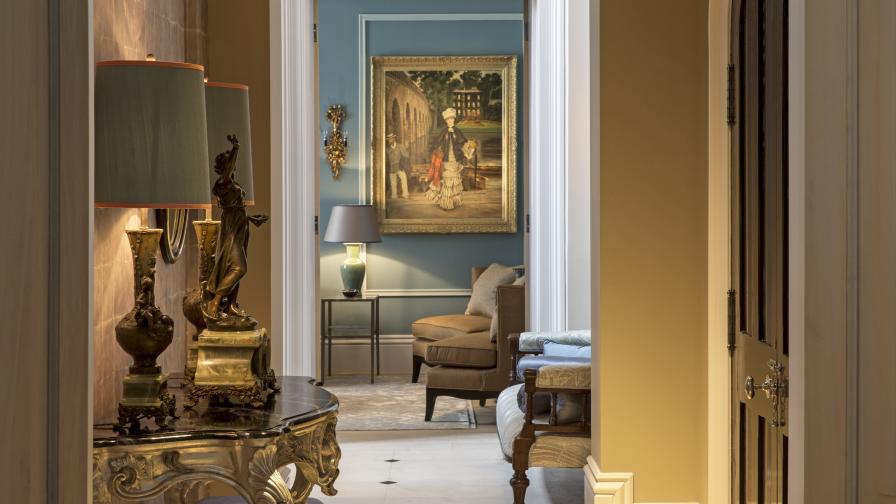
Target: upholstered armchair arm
pixel 511 314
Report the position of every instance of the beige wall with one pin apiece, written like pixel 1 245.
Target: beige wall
pixel 127 29
pixel 238 51
pixel 653 245
pixel 877 242
pixel 44 431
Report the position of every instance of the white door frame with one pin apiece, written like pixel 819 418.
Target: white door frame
pixel 294 173
pixel 559 159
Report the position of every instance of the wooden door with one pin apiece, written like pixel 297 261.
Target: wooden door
pixel 758 339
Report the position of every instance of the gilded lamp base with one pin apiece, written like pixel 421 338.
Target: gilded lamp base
pixel 145 396
pixel 233 365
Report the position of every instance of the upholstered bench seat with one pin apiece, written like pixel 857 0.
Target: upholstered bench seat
pixel 443 327
pixel 474 350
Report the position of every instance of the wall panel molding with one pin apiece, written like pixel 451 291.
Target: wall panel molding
pixel 419 292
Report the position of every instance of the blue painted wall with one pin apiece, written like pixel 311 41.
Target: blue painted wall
pixel 408 261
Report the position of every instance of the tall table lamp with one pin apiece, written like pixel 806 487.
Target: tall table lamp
pixel 151 152
pixel 352 225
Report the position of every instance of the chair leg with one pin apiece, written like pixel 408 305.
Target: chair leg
pixel 418 362
pixel 482 402
pixel 521 447
pixel 520 483
pixel 430 403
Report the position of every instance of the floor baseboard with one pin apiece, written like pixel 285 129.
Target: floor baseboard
pixel 607 488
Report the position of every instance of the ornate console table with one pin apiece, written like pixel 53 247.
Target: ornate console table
pixel 238 446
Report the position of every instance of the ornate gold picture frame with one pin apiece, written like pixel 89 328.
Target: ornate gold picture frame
pixel 444 144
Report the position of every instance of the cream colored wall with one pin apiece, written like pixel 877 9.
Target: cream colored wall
pixel 718 367
pixel 127 29
pixel 653 245
pixel 238 51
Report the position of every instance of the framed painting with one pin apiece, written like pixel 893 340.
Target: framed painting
pixel 444 143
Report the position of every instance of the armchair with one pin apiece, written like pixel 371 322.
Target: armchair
pixel 465 362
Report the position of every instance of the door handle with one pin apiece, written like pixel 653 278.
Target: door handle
pixel 774 387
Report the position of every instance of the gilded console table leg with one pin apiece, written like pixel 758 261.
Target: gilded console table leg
pixel 314 452
pixel 268 485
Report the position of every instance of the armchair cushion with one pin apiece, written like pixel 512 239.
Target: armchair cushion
pixel 467 350
pixel 483 301
pixel 441 327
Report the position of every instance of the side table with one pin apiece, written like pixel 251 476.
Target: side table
pixel 329 332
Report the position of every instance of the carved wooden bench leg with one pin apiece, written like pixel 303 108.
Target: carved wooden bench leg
pixel 521 446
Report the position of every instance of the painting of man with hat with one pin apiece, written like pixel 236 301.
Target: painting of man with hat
pixel 397 164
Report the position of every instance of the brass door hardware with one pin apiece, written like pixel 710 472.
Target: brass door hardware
pixel 774 387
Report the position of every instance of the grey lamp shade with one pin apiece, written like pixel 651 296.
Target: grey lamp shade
pixel 151 143
pixel 227 113
pixel 353 224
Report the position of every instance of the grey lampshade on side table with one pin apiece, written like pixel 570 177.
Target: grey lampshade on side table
pixel 151 152
pixel 353 225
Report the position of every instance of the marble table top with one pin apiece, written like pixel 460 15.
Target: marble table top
pixel 298 401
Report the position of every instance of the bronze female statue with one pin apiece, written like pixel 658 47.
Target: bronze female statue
pixel 223 311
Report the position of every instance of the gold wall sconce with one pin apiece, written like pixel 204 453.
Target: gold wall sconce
pixel 336 144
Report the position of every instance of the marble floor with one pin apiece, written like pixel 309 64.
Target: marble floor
pixel 454 466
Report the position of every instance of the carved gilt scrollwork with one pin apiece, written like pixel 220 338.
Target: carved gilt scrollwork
pixel 268 485
pixel 140 476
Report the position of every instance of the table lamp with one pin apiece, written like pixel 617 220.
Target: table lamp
pixel 151 152
pixel 352 225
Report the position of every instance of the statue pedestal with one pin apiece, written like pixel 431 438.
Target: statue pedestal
pixel 144 395
pixel 233 365
pixel 192 359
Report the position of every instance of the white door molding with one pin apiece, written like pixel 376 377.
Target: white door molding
pixel 294 140
pixel 559 270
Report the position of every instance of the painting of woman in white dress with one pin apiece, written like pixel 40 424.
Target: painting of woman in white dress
pixel 451 153
pixel 444 147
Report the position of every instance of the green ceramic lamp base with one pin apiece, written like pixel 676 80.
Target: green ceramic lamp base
pixel 352 270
